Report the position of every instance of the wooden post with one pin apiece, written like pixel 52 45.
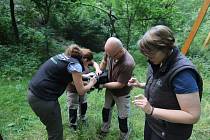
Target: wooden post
pixel 195 27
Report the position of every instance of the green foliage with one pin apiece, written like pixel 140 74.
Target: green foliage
pixel 86 22
pixel 197 53
pixel 135 17
pixel 31 35
pixel 83 25
pixel 189 11
pixel 5 30
pixel 86 33
pixel 16 63
pixel 98 57
pixel 5 24
pixel 138 56
pixel 29 16
pixel 201 59
pixel 197 47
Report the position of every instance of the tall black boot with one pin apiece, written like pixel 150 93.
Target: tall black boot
pixel 83 109
pixel 123 125
pixel 106 117
pixel 73 118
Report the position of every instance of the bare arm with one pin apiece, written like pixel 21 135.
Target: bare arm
pixel 103 63
pixel 81 89
pixel 189 113
pixel 135 83
pixel 113 85
pixel 97 68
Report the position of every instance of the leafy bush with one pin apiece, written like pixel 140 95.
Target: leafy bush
pixel 16 63
pixel 5 31
pixel 86 33
pixel 139 58
pixel 31 35
pixel 202 61
pixel 22 61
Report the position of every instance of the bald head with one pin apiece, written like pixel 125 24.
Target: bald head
pixel 114 47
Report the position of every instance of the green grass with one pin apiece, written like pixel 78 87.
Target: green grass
pixel 18 122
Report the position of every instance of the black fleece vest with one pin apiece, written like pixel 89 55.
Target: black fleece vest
pixel 160 94
pixel 51 79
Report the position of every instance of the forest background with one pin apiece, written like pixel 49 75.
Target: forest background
pixel 31 31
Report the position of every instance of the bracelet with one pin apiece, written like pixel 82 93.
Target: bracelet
pixel 152 111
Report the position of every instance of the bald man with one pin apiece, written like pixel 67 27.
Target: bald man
pixel 120 65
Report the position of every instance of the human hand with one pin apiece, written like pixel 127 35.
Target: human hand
pixel 92 81
pixel 135 83
pixel 142 102
pixel 98 71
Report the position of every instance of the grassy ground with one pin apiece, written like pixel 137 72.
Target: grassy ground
pixel 18 122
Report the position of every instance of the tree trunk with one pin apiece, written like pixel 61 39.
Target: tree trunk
pixel 112 21
pixel 128 33
pixel 14 24
pixel 128 26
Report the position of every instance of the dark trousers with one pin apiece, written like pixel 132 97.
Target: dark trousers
pixel 49 114
pixel 149 134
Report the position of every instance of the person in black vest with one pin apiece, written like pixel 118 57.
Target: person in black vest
pixel 173 88
pixel 49 83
